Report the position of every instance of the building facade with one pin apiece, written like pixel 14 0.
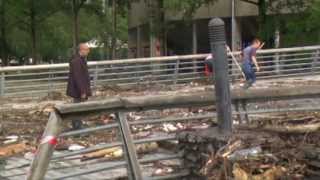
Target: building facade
pixel 190 38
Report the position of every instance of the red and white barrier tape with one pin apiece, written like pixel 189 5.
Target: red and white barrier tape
pixel 49 139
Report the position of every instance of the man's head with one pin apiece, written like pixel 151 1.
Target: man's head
pixel 256 43
pixel 84 50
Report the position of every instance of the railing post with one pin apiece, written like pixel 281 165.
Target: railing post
pixel 2 84
pixel 176 72
pixel 221 74
pixel 277 63
pixel 315 60
pixel 40 163
pixel 95 77
pixel 129 147
pixel 50 82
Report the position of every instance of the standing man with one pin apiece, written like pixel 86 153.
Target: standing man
pixel 249 61
pixel 79 80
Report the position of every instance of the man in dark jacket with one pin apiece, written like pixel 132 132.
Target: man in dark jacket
pixel 79 80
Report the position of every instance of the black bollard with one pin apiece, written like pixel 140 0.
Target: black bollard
pixel 221 75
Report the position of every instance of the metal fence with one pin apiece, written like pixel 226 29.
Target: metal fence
pixel 42 79
pixel 123 106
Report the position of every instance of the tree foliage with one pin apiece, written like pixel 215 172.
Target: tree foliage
pixel 49 30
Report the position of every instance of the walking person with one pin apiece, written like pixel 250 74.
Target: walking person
pixel 249 61
pixel 79 80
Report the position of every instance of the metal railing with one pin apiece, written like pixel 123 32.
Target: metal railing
pixel 43 79
pixel 123 106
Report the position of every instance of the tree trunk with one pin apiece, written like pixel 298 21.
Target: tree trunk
pixel 33 33
pixel 156 25
pixel 262 13
pixel 4 47
pixel 75 21
pixel 114 29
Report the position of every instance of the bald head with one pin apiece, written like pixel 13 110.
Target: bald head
pixel 84 49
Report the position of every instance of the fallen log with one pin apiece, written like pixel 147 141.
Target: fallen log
pixel 117 152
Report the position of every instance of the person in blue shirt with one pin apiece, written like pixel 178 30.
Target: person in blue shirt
pixel 249 61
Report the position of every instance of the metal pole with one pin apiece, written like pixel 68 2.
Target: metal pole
pixel 194 43
pixel 277 55
pixel 2 84
pixel 95 77
pixel 45 150
pixel 221 75
pixel 129 146
pixel 176 72
pixel 233 25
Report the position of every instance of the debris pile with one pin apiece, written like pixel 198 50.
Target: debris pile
pixel 251 155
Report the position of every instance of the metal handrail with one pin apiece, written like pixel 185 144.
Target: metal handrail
pixel 172 69
pixel 158 102
pixel 152 59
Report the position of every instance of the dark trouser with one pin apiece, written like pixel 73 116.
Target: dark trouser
pixel 249 72
pixel 77 123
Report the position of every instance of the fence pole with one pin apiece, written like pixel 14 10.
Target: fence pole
pixel 129 146
pixel 45 150
pixel 2 84
pixel 95 78
pixel 277 63
pixel 222 87
pixel 176 72
pixel 315 61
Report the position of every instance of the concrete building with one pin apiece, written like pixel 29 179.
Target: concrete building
pixel 193 38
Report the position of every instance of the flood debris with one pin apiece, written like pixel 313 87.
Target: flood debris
pixel 252 155
pixel 12 149
pixel 117 152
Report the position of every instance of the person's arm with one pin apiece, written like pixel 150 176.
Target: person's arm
pixel 261 46
pixel 255 62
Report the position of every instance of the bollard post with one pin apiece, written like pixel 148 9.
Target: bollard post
pixel 2 83
pixel 221 75
pixel 40 162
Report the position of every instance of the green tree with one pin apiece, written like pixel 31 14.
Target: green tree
pixel 303 29
pixel 273 15
pixel 3 36
pixel 30 15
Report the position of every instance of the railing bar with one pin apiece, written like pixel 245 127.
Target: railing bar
pixel 34 74
pixel 33 86
pixel 157 121
pixel 88 130
pixel 169 176
pixel 91 171
pixel 146 71
pixel 33 80
pixel 155 139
